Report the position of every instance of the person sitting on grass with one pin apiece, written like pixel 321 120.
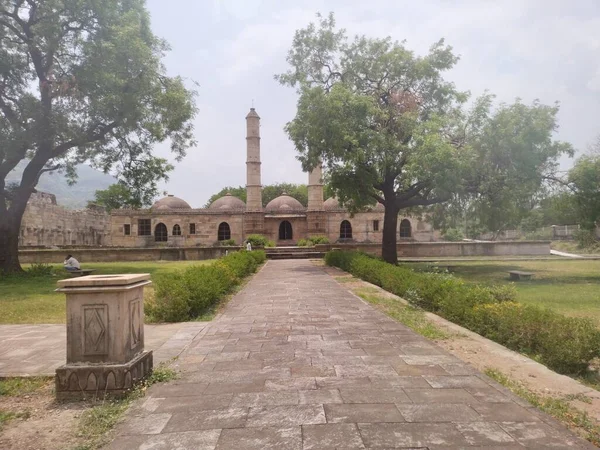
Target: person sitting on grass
pixel 71 264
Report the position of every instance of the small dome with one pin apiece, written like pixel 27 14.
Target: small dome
pixel 171 202
pixel 331 204
pixel 284 203
pixel 228 202
pixel 252 113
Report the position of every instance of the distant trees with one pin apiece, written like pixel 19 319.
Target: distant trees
pixel 269 192
pixel 118 196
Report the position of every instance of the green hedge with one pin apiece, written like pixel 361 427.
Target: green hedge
pixel 188 293
pixel 258 240
pixel 312 241
pixel 565 344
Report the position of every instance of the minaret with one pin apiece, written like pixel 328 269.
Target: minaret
pixel 253 183
pixel 315 215
pixel 315 189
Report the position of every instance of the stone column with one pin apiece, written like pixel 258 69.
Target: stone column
pixel 105 336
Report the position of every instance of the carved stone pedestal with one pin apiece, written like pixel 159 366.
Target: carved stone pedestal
pixel 105 336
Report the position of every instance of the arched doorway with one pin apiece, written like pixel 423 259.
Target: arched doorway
pixel 285 231
pixel 345 230
pixel 405 229
pixel 160 233
pixel 224 232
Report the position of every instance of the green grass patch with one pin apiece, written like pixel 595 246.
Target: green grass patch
pixel 559 408
pixel 31 299
pixel 410 316
pixel 17 386
pixel 570 287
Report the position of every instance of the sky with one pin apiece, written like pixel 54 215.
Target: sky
pixel 229 50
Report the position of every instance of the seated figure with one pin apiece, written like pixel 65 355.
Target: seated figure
pixel 71 263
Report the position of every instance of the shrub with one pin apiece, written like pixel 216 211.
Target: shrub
pixel 565 344
pixel 304 243
pixel 586 239
pixel 258 240
pixel 227 242
pixel 188 293
pixel 453 235
pixel 319 240
pixel 39 270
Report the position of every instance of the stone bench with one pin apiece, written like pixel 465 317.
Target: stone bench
pixel 81 272
pixel 519 275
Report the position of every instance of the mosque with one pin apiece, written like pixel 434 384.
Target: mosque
pixel 172 222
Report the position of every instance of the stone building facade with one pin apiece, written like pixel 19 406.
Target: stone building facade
pixel 47 224
pixel 172 222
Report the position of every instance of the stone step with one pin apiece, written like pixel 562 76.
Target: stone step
pixel 296 255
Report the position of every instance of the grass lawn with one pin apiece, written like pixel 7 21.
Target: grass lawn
pixel 570 287
pixel 25 299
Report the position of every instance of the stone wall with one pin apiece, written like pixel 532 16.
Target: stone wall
pixel 88 255
pixel 206 228
pixel 453 249
pixel 46 224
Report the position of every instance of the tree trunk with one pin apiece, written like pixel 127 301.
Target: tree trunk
pixel 10 226
pixel 389 252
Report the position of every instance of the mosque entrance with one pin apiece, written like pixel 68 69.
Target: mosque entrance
pixel 285 231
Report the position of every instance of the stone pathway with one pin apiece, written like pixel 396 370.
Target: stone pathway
pixel 33 350
pixel 297 362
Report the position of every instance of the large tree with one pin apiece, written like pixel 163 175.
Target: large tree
pixel 380 119
pixel 82 81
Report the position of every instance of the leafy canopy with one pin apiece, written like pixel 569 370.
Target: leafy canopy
pixel 83 81
pixel 376 115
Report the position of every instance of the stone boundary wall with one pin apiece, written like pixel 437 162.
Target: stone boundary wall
pixel 88 255
pixel 452 249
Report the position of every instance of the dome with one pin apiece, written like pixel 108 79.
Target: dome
pixel 227 202
pixel 284 203
pixel 171 202
pixel 331 204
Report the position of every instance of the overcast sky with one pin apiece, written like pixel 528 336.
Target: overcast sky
pixel 544 49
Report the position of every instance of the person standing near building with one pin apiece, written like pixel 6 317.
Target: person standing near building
pixel 71 263
pixel 249 246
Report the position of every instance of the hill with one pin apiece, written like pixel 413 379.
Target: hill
pixel 74 197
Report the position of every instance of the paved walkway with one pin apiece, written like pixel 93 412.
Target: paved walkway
pixel 297 362
pixel 30 350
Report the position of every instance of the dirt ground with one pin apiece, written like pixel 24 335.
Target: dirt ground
pixel 46 424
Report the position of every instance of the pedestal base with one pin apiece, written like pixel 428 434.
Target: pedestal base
pixel 81 381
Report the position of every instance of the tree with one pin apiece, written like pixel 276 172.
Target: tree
pixel 584 179
pixel 117 196
pixel 381 120
pixel 269 192
pixel 82 81
pixel 513 158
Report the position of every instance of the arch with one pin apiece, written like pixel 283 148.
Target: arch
pixel 405 228
pixel 160 232
pixel 285 231
pixel 224 232
pixel 345 230
pixel 176 230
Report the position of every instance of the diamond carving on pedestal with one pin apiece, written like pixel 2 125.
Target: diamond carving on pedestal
pixel 94 330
